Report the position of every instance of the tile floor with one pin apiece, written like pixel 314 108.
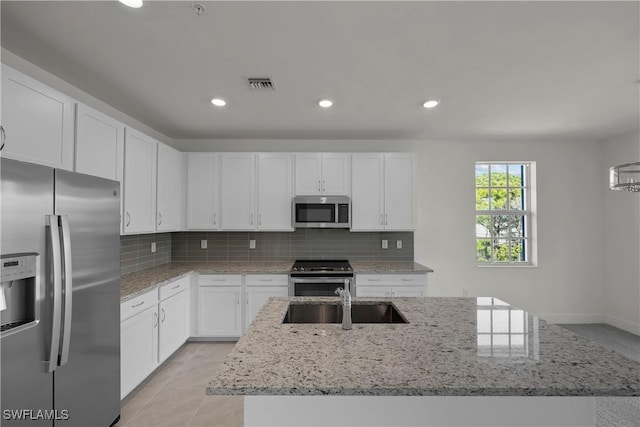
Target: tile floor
pixel 175 394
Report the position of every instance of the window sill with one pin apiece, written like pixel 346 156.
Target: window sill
pixel 497 265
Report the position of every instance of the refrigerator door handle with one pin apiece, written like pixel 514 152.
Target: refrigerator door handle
pixel 68 289
pixel 56 267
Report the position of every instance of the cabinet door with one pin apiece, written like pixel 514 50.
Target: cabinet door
pixel 256 296
pixel 274 192
pixel 336 174
pixel 174 324
pixel 138 349
pixel 367 192
pixel 99 144
pixel 219 311
pixel 398 191
pixel 238 192
pixel 372 291
pixel 308 174
pixel 169 185
pixel 139 183
pixel 203 191
pixel 38 121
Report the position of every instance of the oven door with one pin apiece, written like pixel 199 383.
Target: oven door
pixel 317 286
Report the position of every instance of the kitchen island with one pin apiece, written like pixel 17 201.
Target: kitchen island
pixel 473 361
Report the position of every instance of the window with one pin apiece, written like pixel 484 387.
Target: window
pixel 503 213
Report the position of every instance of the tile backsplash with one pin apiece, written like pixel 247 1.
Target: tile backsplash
pixel 282 246
pixel 135 250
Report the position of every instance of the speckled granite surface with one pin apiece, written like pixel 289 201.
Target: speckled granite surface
pixel 388 267
pixel 134 284
pixel 437 354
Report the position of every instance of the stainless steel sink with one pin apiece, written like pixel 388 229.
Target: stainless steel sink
pixel 332 313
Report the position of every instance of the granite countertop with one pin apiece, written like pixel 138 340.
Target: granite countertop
pixel 442 351
pixel 134 284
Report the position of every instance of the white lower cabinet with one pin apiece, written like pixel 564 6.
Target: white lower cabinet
pixel 138 340
pixel 219 305
pixel 151 330
pixel 174 317
pixel 259 288
pixel 391 285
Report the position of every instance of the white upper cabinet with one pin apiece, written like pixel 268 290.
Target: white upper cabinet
pixel 275 191
pixel 203 191
pixel 238 191
pixel 367 187
pixel 382 192
pixel 139 211
pixel 322 173
pixel 99 144
pixel 38 121
pixel 169 212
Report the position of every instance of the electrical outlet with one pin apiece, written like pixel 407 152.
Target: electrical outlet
pixel 385 244
pixel 398 244
pixel 153 247
pixel 252 244
pixel 203 244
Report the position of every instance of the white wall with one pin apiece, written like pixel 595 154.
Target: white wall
pixel 621 240
pixel 566 286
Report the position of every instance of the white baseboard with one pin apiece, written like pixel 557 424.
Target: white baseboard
pixel 619 323
pixel 572 318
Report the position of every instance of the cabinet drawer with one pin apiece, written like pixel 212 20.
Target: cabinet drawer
pixel 267 280
pixel 138 304
pixel 220 280
pixel 174 287
pixel 417 279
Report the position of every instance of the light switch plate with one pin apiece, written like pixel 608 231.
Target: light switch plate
pixel 399 244
pixel 153 247
pixel 385 244
pixel 203 244
pixel 252 244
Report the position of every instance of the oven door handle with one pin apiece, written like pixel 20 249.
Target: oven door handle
pixel 338 280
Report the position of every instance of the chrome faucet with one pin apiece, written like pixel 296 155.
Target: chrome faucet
pixel 345 295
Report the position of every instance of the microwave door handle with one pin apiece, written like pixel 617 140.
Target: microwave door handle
pixel 56 273
pixel 68 289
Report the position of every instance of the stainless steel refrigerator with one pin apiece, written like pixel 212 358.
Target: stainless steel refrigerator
pixel 60 297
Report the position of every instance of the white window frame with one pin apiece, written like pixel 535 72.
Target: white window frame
pixel 530 229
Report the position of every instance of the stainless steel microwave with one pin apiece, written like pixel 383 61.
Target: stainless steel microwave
pixel 321 212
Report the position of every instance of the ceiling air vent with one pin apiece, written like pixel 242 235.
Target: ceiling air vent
pixel 261 83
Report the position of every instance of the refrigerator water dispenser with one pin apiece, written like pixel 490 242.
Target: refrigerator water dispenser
pixel 18 292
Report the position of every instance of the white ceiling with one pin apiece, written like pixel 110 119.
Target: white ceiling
pixel 508 70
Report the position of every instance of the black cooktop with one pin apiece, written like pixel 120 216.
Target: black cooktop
pixel 321 266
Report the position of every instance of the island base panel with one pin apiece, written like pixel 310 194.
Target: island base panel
pixel 418 411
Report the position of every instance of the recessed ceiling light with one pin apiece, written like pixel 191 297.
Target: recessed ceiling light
pixel 431 103
pixel 132 3
pixel 325 103
pixel 218 102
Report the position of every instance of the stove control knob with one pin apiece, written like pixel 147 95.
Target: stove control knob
pixel 301 268
pixel 295 268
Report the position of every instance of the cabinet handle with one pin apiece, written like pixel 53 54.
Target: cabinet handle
pixel 3 137
pixel 155 321
pixel 318 185
pixel 374 280
pixel 214 218
pixel 251 219
pixel 323 186
pixel 164 315
pixel 266 280
pixel 393 293
pixel 260 219
pixel 128 218
pixel 137 305
pixel 386 219
pixel 238 299
pixel 160 217
pixel 407 280
pixel 176 287
pixel 381 220
pixel 219 280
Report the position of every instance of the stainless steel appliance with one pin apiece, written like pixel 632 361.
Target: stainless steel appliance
pixel 309 278
pixel 321 212
pixel 60 282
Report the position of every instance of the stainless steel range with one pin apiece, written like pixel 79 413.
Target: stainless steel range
pixel 309 278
